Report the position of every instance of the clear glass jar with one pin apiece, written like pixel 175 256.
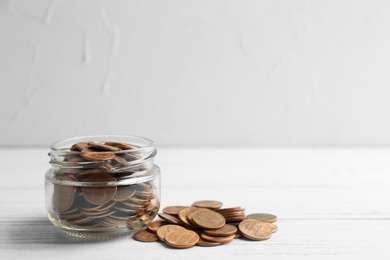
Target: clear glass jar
pixel 94 193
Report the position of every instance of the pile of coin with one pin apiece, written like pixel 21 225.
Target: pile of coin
pixel 92 205
pixel 206 223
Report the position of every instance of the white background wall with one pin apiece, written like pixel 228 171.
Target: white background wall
pixel 196 72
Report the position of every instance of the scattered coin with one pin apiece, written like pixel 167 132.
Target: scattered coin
pixel 204 222
pixel 155 225
pixel 263 217
pixel 255 230
pixel 210 204
pixel 181 238
pixel 162 231
pixel 224 239
pixel 145 236
pixel 173 210
pixel 226 230
pixel 169 218
pixel 208 219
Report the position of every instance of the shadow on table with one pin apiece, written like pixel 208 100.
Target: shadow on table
pixel 38 231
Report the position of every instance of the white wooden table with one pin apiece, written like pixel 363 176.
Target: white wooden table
pixel 331 203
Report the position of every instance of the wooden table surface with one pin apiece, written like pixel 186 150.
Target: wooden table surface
pixel 331 203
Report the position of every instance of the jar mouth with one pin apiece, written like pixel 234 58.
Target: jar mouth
pixel 140 143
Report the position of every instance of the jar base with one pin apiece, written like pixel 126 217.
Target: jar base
pixel 92 233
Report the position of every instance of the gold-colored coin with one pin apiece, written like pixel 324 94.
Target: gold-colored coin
pixel 224 239
pixel 255 230
pixel 145 236
pixel 210 204
pixel 99 195
pixel 163 230
pixel 226 230
pixel 263 217
pixel 181 238
pixel 173 210
pixel 208 219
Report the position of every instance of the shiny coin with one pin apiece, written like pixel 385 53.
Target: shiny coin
pixel 104 147
pixel 255 230
pixel 145 236
pixel 181 238
pixel 226 230
pixel 183 216
pixel 210 204
pixel 97 156
pixel 224 239
pixel 122 146
pixel 169 218
pixel 208 219
pixel 162 231
pixel 263 217
pixel 99 195
pixel 173 210
pixel 155 225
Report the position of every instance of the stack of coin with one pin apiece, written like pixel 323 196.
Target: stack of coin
pixel 86 194
pixel 205 224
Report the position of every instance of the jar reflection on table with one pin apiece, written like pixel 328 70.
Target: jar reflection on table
pixel 104 198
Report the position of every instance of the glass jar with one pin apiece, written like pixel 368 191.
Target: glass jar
pixel 102 186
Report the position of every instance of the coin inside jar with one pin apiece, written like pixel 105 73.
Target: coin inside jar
pixel 99 195
pixel 64 195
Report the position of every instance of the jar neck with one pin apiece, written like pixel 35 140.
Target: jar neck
pixel 129 160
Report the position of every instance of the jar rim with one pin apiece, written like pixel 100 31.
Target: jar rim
pixel 141 142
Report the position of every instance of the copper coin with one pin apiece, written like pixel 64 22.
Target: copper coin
pixel 145 236
pixel 63 195
pixel 122 146
pixel 229 209
pixel 208 219
pixel 124 192
pixel 181 238
pixel 74 148
pixel 226 230
pixel 272 226
pixel 224 239
pixel 155 225
pixel 255 230
pixel 210 204
pixel 103 147
pixel 263 217
pixel 183 216
pixel 191 212
pixel 120 160
pixel 99 195
pixel 82 145
pixel 163 230
pixel 169 218
pixel 97 156
pixel 173 210
pixel 206 243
